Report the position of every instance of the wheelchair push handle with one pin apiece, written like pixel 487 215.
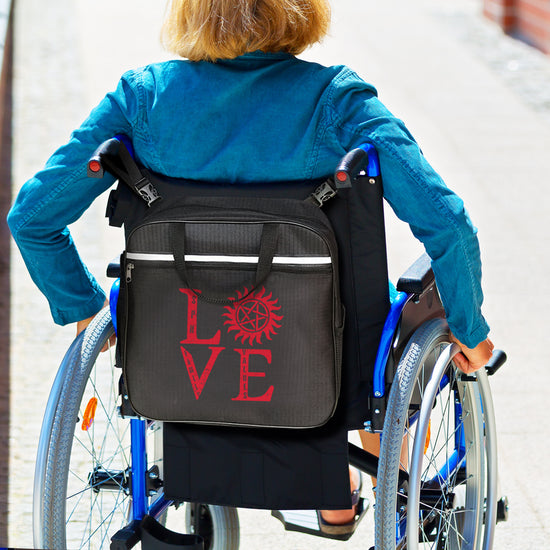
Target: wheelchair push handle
pixel 107 151
pixel 361 159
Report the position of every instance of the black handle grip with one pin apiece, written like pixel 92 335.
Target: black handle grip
pixel 110 148
pixel 113 269
pixel 350 166
pixel 497 360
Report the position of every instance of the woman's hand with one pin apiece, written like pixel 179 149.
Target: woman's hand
pixel 472 359
pixel 82 325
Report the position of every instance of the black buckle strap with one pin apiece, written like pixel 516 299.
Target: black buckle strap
pixel 322 194
pixel 132 176
pixel 146 190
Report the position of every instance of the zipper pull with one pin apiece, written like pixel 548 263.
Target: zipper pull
pixel 129 267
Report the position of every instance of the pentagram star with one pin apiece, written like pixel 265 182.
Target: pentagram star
pixel 253 316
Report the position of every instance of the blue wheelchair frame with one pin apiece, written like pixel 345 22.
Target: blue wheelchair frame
pixel 138 427
pixel 358 457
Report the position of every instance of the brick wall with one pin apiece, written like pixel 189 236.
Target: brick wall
pixel 502 12
pixel 533 22
pixel 527 19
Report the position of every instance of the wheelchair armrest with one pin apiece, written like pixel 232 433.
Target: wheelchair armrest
pixel 418 277
pixel 113 269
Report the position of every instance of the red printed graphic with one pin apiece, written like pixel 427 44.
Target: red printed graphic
pixel 246 374
pixel 198 382
pixel 192 321
pixel 253 317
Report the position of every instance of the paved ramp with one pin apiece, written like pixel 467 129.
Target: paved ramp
pixel 467 94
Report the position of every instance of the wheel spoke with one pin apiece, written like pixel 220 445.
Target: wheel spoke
pixel 451 461
pixel 84 496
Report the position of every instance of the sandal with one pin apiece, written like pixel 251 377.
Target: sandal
pixel 360 504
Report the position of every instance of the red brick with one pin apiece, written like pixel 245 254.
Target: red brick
pixel 534 8
pixel 500 11
pixel 530 19
pixel 532 30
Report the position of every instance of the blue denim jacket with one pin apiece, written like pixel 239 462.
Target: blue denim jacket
pixel 255 118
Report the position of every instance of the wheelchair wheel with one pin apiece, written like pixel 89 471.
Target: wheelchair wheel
pixel 434 432
pixel 82 489
pixel 218 525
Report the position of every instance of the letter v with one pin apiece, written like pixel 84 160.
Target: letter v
pixel 198 382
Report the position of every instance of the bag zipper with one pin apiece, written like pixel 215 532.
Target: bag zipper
pixel 129 267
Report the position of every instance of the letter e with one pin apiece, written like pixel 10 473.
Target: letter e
pixel 245 374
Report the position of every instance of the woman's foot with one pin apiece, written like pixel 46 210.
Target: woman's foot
pixel 342 517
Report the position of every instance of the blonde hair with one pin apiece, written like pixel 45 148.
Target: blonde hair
pixel 224 29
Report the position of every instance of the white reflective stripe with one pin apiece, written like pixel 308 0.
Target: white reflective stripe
pixel 296 260
pixel 302 260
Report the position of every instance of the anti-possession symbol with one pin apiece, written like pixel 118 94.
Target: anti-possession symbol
pixel 253 317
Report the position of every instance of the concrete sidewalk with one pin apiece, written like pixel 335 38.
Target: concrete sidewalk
pixel 478 103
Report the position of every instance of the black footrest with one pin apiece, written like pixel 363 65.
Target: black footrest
pixel 127 537
pixel 308 521
pixel 153 536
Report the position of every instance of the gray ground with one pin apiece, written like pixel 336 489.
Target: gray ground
pixel 477 101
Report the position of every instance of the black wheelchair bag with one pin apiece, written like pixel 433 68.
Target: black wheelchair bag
pixel 268 467
pixel 230 313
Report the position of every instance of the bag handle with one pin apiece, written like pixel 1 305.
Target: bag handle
pixel 268 248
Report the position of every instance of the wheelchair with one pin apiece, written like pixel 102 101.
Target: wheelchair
pixel 99 469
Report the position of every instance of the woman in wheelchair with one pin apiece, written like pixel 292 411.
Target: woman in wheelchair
pixel 242 109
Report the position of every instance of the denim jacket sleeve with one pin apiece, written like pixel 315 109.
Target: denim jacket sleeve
pixel 56 197
pixel 418 196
